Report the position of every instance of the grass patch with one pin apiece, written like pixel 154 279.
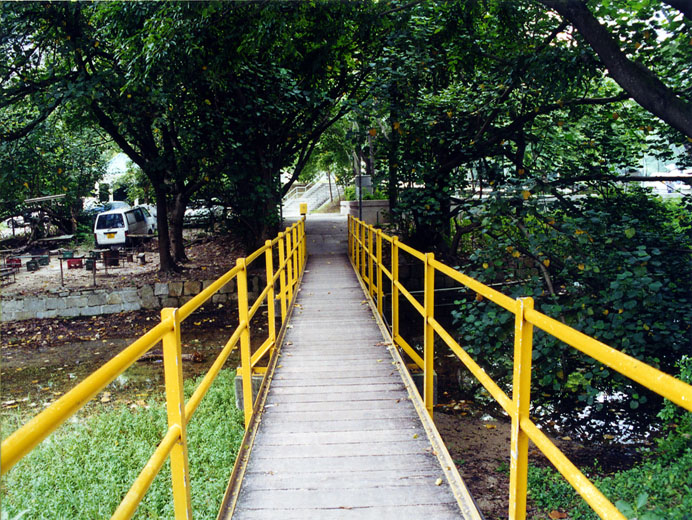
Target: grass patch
pixel 85 469
pixel 653 490
pixel 659 488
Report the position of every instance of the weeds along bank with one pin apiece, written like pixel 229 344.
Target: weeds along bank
pixel 85 468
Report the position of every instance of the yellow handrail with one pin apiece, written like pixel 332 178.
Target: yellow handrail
pixel 361 253
pixel 291 247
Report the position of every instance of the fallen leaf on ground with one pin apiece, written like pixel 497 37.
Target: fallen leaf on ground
pixel 555 515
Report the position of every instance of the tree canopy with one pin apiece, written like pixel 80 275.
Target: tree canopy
pixel 192 92
pixel 447 101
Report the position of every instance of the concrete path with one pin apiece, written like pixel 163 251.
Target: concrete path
pixel 339 435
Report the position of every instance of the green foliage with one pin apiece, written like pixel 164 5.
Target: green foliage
pixel 651 491
pixel 617 267
pixel 56 159
pixel 85 469
pixel 350 194
pixel 136 184
pixel 659 488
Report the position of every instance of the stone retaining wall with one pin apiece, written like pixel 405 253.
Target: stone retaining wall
pixel 65 303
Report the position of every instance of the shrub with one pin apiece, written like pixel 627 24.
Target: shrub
pixel 617 268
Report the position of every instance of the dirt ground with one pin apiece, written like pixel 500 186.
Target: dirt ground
pixel 207 259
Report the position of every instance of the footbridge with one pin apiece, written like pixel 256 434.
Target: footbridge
pixel 337 428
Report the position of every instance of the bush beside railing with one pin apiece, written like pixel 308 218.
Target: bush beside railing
pixel 365 251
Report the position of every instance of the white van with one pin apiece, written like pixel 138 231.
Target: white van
pixel 113 228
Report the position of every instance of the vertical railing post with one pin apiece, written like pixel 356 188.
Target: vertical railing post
pixel 175 406
pixel 244 320
pixel 429 333
pixel 289 267
pixel 282 277
pixel 371 254
pixel 395 289
pixel 356 244
pixel 362 251
pixel 296 267
pixel 521 395
pixel 350 242
pixel 379 272
pixel 271 309
pixel 304 242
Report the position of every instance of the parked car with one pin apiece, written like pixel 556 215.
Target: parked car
pixel 102 207
pixel 151 219
pixel 115 227
pixel 202 216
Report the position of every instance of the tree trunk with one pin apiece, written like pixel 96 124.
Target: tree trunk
pixel 642 84
pixel 167 264
pixel 176 216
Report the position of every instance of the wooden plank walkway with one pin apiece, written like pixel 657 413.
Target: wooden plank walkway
pixel 340 435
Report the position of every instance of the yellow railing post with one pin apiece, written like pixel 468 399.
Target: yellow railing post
pixel 350 239
pixel 371 282
pixel 356 244
pixel 282 277
pixel 521 396
pixel 244 320
pixel 379 271
pixel 304 241
pixel 175 405
pixel 296 268
pixel 362 251
pixel 395 289
pixel 271 309
pixel 289 266
pixel 429 338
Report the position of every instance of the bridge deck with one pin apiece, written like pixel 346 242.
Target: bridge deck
pixel 340 433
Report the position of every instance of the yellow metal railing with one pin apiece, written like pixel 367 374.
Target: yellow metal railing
pixel 367 261
pixel 292 253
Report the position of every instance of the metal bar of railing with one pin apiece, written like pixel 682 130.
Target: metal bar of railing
pixel 174 443
pixel 289 267
pixel 415 357
pixel 282 277
pixel 663 384
pixel 415 303
pixel 380 292
pixel 22 441
pixel 141 485
pixel 521 398
pixel 429 333
pixel 477 371
pixel 213 371
pixel 175 407
pixel 395 288
pixel 271 280
pixel 518 407
pixel 576 478
pixel 261 351
pixel 245 365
